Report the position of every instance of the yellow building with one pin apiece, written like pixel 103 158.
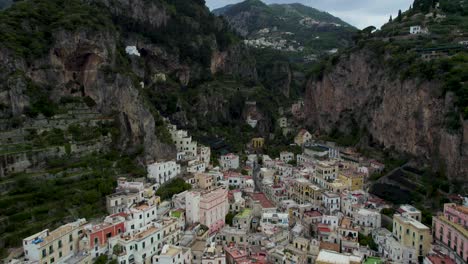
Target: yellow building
pixel 412 233
pixel 354 180
pixel 302 191
pixel 258 143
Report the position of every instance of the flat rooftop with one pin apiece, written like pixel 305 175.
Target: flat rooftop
pixel 260 197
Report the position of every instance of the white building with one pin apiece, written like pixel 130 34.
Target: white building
pixel 391 249
pixel 173 255
pixel 252 159
pixel 140 246
pixel 208 208
pixel 183 141
pixel 163 171
pixel 331 220
pixel 204 155
pixel 252 122
pixel 410 211
pixel 414 30
pixel 367 220
pixel 140 216
pixel 286 156
pixel 279 219
pixel 331 201
pixel 196 166
pixel 229 162
pixel 284 170
pixel 283 122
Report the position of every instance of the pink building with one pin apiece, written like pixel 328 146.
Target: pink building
pixel 450 229
pixel 208 208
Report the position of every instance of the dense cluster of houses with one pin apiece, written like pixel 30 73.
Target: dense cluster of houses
pixel 312 207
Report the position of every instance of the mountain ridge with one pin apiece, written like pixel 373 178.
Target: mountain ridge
pixel 301 27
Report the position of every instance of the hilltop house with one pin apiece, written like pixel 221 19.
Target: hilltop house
pixel 415 30
pixel 302 137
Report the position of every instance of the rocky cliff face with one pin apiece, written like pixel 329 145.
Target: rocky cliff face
pixel 405 115
pixel 92 63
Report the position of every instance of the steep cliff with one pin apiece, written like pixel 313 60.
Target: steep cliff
pixel 409 115
pixel 402 90
pixel 86 59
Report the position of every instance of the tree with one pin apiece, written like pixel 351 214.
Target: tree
pixel 229 218
pixel 399 18
pixel 391 19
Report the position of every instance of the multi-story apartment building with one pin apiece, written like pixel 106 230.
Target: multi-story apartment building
pixel 55 246
pixel 450 229
pixel 410 211
pixel 196 166
pixel 204 155
pixel 204 181
pixel 277 219
pixel 140 246
pixel 412 233
pixel 127 194
pixel 352 179
pixel 325 173
pixel 392 250
pixel 121 201
pixel 302 191
pixel 183 142
pixel 171 254
pixel 208 208
pixel 100 234
pixel 367 220
pixel 162 172
pixel 331 201
pixel 229 162
pixel 286 156
pixel 141 215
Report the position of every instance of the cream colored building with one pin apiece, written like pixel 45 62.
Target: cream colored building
pixel 204 181
pixel 412 233
pixel 302 137
pixel 54 246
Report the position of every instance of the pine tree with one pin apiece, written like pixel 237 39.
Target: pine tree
pixel 399 18
pixel 391 19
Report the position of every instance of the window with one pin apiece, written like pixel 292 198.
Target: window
pixel 60 244
pixel 44 253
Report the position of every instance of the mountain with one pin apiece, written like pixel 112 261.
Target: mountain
pixel 84 86
pixel 401 91
pixel 287 27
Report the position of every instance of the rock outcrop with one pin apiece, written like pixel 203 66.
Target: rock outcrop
pixel 92 63
pixel 408 115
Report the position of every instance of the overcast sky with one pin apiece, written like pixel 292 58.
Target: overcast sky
pixel 359 13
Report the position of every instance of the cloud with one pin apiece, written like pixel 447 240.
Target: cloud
pixel 360 13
